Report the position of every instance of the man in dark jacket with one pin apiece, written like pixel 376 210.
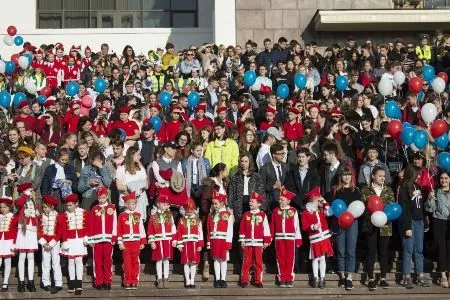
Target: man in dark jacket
pixel 266 57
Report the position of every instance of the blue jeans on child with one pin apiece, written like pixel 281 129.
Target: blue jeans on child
pixel 413 244
pixel 346 248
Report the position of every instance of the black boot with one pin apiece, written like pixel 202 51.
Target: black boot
pixel 78 288
pixel 70 286
pixel 21 287
pixel 30 286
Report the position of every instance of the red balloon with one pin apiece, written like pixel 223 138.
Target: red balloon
pixel 438 128
pixel 394 129
pixel 374 203
pixel 444 76
pixel 12 30
pixel 15 58
pixel 46 91
pixel 346 219
pixel 415 84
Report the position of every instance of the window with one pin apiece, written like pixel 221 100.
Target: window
pixel 54 14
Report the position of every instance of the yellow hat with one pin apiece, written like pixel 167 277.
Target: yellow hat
pixel 26 150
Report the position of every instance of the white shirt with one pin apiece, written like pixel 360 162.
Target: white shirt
pixel 194 170
pixel 109 150
pixel 335 166
pixel 303 171
pixel 263 156
pixel 59 172
pixel 246 180
pixel 278 170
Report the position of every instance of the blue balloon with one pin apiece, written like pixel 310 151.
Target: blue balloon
pixel 341 83
pixel 392 110
pixel 123 134
pixel 443 160
pixel 41 99
pixel 428 72
pixel 393 211
pixel 249 77
pixel 300 80
pixel 283 91
pixel 10 66
pixel 407 135
pixel 405 125
pixel 72 88
pixel 165 98
pixel 18 97
pixel 193 99
pixel 338 206
pixel 100 85
pixel 29 56
pixel 157 123
pixel 420 139
pixel 18 40
pixel 442 141
pixel 5 99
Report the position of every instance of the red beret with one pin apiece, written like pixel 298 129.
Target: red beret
pixel 74 102
pixel 219 196
pixel 336 113
pixel 6 200
pixel 49 103
pixel 313 106
pixel 87 48
pixel 30 48
pixel 221 109
pixel 24 186
pixel 71 198
pixel 130 196
pixel 105 109
pixel 189 206
pixel 294 110
pixel 201 106
pixel 174 108
pixel 287 194
pixel 50 200
pixel 163 199
pixel 314 193
pixel 23 104
pixel 244 108
pixel 271 110
pixel 59 46
pixel 102 191
pixel 257 197
pixel 124 110
pixel 155 105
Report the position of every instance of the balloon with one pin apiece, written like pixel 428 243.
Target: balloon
pixel 378 219
pixel 86 101
pixel 444 76
pixel 338 206
pixel 346 220
pixel 438 128
pixel 2 67
pixel 385 87
pixel 392 110
pixel 428 72
pixel 18 97
pixel 23 62
pixel 420 139
pixel 165 98
pixel 414 148
pixel 399 77
pixel 393 211
pixel 8 40
pixel 283 91
pixel 31 88
pixel 18 40
pixel 249 77
pixel 157 123
pixel 46 91
pixel 341 83
pixel 300 80
pixel 438 85
pixel 29 56
pixel 356 208
pixel 415 84
pixel 407 135
pixel 72 88
pixel 15 58
pixel 12 30
pixel 374 203
pixel 442 141
pixel 41 99
pixel 123 134
pixel 100 85
pixel 443 160
pixel 10 67
pixel 5 99
pixel 193 99
pixel 406 124
pixel 428 112
pixel 394 129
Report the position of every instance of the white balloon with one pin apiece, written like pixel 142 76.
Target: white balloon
pixel 23 62
pixel 9 40
pixel 429 111
pixel 414 148
pixel 31 88
pixel 2 67
pixel 438 85
pixel 385 87
pixel 399 77
pixel 378 219
pixel 356 208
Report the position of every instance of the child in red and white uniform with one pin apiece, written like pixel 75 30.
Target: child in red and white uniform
pixel 219 237
pixel 102 237
pixel 190 241
pixel 26 241
pixel 315 224
pixel 293 130
pixel 8 233
pixel 74 228
pixel 285 229
pixel 51 70
pixel 72 116
pixel 71 72
pixel 254 236
pixel 161 233
pixel 48 232
pixel 131 240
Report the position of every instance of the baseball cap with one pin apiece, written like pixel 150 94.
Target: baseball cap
pixel 274 132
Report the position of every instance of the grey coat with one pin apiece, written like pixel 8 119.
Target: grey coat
pixel 236 191
pixel 439 205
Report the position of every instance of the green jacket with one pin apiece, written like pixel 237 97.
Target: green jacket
pixel 388 197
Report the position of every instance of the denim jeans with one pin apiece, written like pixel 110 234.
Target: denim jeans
pixel 346 248
pixel 413 244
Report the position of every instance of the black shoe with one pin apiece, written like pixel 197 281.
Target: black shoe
pixel 21 287
pixel 4 287
pixel 97 286
pixel 322 283
pixel 422 281
pixel 315 283
pixel 282 284
pixel 224 284
pixel 348 285
pixel 289 284
pixel 259 285
pixel 107 286
pixel 71 286
pixel 128 286
pixel 217 284
pixel 192 286
pixel 243 285
pixel 372 285
pixel 78 292
pixel 56 290
pixel 342 282
pixel 47 288
pixel 30 286
pixel 383 284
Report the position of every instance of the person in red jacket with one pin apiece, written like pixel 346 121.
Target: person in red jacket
pixel 72 116
pixel 293 130
pixel 74 226
pixel 51 70
pixel 173 126
pixel 190 241
pixel 131 240
pixel 219 237
pixel 71 72
pixel 162 238
pixel 8 234
pixel 315 224
pixel 285 229
pixel 129 126
pixel 102 237
pixel 222 114
pixel 49 239
pixel 25 115
pixel 270 119
pixel 254 236
pixel 155 110
pixel 200 119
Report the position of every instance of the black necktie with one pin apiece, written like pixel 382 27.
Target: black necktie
pixel 279 172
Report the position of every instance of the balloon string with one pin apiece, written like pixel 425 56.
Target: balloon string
pixel 428 167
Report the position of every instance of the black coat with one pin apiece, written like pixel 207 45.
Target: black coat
pixel 236 191
pixel 293 183
pixel 268 178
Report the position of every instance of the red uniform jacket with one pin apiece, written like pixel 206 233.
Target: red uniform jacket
pixel 254 229
pixel 161 228
pixel 71 121
pixel 310 218
pixel 293 131
pixel 130 228
pixel 189 230
pixel 51 74
pixel 85 62
pixel 285 225
pixel 48 230
pixel 71 73
pixel 61 62
pixel 8 227
pixel 172 129
pixel 199 124
pixel 29 218
pixel 73 225
pixel 266 125
pixel 220 227
pixel 29 121
pixel 103 224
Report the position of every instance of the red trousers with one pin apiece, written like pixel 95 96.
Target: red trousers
pixel 285 253
pixel 131 263
pixel 102 254
pixel 252 255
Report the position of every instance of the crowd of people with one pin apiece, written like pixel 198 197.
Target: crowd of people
pixel 240 173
